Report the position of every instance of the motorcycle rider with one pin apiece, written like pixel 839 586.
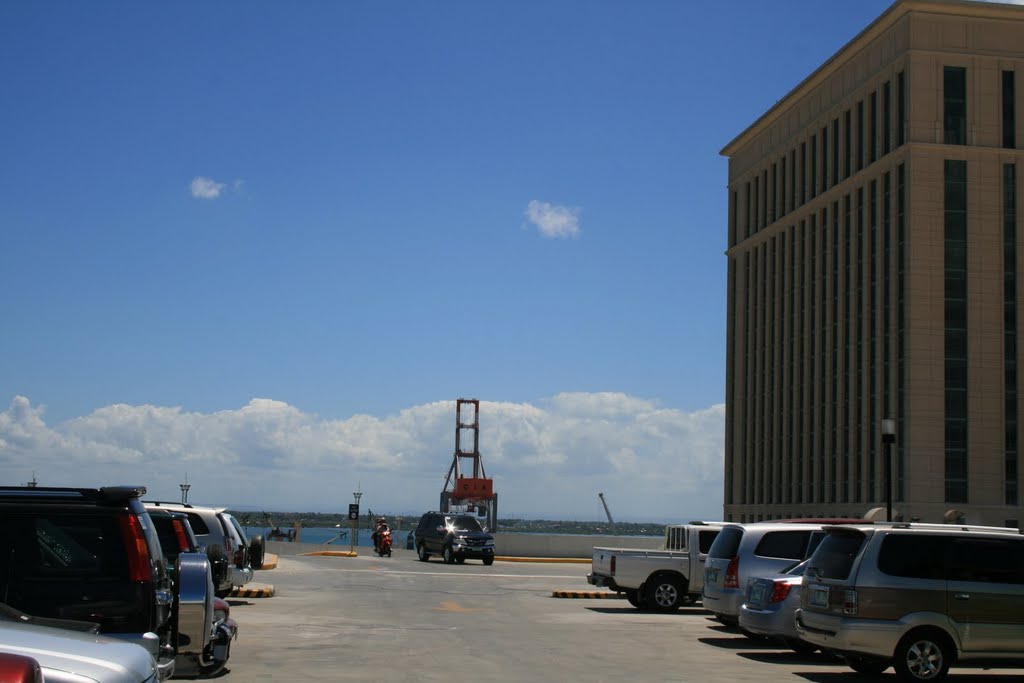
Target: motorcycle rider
pixel 382 525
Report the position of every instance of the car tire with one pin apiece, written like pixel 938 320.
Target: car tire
pixel 220 569
pixel 869 666
pixel 421 552
pixel 489 560
pixel 923 655
pixel 633 597
pixel 448 555
pixel 664 593
pixel 257 550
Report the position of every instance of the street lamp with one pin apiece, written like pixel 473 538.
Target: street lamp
pixel 888 439
pixel 355 522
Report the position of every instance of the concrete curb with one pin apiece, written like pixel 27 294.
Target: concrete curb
pixel 269 562
pixel 606 595
pixel 266 591
pixel 331 553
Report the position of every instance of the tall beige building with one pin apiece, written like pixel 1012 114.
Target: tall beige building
pixel 875 272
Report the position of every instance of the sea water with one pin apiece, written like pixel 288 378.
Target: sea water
pixel 330 535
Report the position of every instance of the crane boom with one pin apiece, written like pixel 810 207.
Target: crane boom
pixel 611 522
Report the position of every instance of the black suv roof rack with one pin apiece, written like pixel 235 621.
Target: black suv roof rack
pixel 113 494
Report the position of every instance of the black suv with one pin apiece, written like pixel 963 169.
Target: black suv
pixel 93 555
pixel 453 536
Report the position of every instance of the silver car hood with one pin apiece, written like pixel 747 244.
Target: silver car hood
pixel 75 656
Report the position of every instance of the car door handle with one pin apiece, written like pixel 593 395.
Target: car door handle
pixel 961 596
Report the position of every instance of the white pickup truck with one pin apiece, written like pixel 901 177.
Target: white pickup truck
pixel 661 580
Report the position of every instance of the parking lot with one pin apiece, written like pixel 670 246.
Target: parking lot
pixel 397 619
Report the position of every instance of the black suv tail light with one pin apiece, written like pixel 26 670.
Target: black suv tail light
pixel 136 548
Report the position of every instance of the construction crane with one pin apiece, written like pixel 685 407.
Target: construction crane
pixel 611 522
pixel 473 493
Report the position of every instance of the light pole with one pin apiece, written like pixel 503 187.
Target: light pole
pixel 888 439
pixel 355 522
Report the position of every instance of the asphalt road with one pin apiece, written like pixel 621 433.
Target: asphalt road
pixel 398 619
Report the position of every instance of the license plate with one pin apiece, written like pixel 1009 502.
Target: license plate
pixel 757 594
pixel 819 596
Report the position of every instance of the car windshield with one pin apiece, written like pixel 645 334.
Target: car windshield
pixel 464 523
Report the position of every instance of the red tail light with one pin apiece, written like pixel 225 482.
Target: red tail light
pixel 732 573
pixel 780 590
pixel 612 565
pixel 179 533
pixel 135 546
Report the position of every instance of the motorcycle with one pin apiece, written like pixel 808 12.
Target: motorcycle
pixel 384 543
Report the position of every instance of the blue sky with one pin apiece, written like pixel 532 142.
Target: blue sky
pixel 269 244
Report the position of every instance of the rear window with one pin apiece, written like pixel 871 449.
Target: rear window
pixel 705 540
pixel 914 556
pixel 198 525
pixel 790 545
pixel 835 555
pixel 727 543
pixel 59 546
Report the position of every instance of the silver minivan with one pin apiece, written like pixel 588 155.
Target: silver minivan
pixel 917 597
pixel 743 551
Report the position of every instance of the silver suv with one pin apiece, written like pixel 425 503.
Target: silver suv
pixel 228 554
pixel 918 597
pixel 743 551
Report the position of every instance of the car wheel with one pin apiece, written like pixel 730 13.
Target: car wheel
pixel 448 554
pixel 257 549
pixel 665 593
pixel 489 560
pixel 923 655
pixel 421 552
pixel 869 666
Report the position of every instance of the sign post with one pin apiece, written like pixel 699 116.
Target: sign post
pixel 353 517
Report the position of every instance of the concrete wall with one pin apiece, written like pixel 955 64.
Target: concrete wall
pixel 516 545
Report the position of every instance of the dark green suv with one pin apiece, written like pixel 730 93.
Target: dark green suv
pixel 454 536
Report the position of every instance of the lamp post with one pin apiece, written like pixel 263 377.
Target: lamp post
pixel 888 439
pixel 355 522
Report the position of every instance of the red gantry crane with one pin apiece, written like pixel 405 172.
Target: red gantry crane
pixel 467 487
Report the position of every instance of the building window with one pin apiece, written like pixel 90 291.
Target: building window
pixel 814 167
pixel 803 173
pixel 872 128
pixel 886 118
pixel 824 159
pixel 835 151
pixel 901 319
pixel 1009 111
pixel 873 417
pixel 955 234
pixel 847 144
pixel 954 88
pixel 901 109
pixel 860 136
pixel 747 210
pixel 1011 488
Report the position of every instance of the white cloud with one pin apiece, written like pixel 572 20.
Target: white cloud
pixel 206 188
pixel 553 220
pixel 548 460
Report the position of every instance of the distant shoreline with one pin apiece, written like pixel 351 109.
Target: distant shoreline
pixel 287 520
